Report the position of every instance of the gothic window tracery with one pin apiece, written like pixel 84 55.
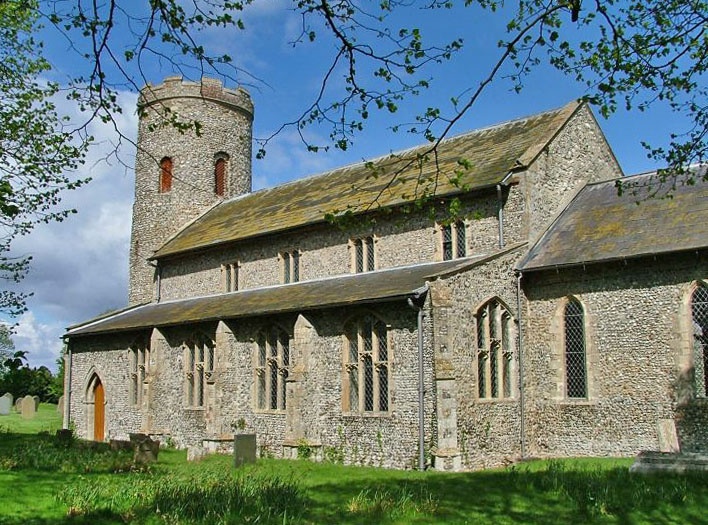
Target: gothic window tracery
pixel 496 351
pixel 273 362
pixel 139 362
pixel 366 366
pixel 198 369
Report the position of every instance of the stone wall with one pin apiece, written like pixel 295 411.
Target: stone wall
pixel 577 155
pixel 487 430
pixel 315 415
pixel 325 250
pixel 639 357
pixel 107 358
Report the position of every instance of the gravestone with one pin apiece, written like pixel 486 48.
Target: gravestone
pixel 18 405
pixel 244 449
pixel 60 405
pixel 5 404
pixel 65 437
pixel 28 407
pixel 36 402
pixel 146 449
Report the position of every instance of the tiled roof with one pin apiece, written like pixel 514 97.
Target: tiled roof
pixel 492 153
pixel 649 217
pixel 362 288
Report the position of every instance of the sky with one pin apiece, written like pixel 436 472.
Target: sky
pixel 80 266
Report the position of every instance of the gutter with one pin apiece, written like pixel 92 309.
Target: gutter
pixel 416 304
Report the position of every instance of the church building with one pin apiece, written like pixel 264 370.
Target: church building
pixel 529 309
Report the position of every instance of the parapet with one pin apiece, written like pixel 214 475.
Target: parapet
pixel 208 89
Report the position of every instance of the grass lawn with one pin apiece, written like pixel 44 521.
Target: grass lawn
pixel 42 482
pixel 47 419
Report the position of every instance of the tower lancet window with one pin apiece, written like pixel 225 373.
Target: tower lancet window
pixel 220 174
pixel 165 174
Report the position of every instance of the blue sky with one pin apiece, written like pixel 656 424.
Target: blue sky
pixel 80 266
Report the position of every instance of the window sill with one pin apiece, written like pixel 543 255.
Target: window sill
pixel 194 409
pixel 497 400
pixel 367 415
pixel 576 402
pixel 261 412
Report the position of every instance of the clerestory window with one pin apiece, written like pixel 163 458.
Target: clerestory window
pixel 290 265
pixel 229 277
pixel 576 382
pixel 198 369
pixel 366 366
pixel 699 326
pixel 496 353
pixel 363 255
pixel 454 240
pixel 273 362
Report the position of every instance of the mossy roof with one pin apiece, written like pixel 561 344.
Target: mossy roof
pixel 489 155
pixel 652 215
pixel 344 290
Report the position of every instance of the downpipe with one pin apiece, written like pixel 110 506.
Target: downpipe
pixel 519 331
pixel 421 387
pixel 67 386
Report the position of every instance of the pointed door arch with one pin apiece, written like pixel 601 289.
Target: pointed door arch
pixel 99 412
pixel 96 395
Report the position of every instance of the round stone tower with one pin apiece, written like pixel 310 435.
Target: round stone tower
pixel 181 173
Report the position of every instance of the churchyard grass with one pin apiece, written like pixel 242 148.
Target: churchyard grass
pixel 85 483
pixel 46 419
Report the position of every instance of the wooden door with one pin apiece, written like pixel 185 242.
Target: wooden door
pixel 99 414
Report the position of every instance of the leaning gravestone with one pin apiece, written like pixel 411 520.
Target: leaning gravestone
pixel 36 402
pixel 60 405
pixel 145 449
pixel 28 407
pixel 5 404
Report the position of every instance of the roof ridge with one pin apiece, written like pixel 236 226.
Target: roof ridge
pixel 403 152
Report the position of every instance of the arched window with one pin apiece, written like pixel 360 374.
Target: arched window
pixel 272 368
pixel 366 366
pixel 139 359
pixel 576 384
pixel 220 176
pixel 699 324
pixel 198 369
pixel 165 174
pixel 495 351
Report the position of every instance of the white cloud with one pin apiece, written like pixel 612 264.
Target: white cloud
pixel 39 339
pixel 80 266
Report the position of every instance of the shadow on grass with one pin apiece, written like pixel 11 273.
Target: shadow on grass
pixel 554 495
